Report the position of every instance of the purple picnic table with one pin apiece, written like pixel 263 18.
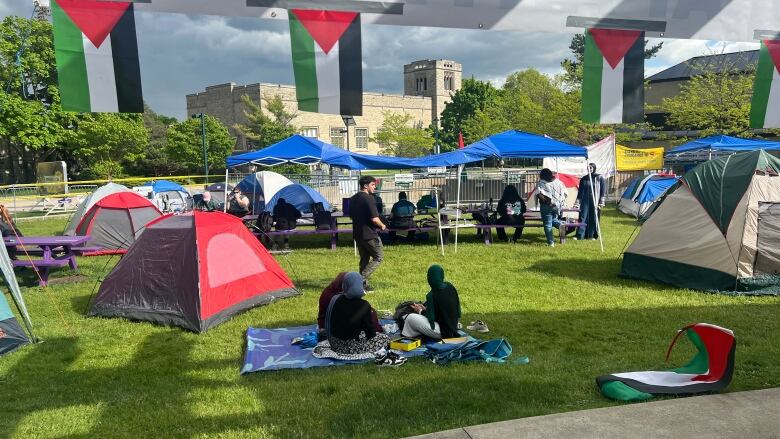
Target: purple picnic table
pixel 62 245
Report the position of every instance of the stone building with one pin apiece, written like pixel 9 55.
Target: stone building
pixel 428 86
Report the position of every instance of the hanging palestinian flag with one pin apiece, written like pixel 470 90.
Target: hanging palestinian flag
pixel 327 61
pixel 710 370
pixel 765 105
pixel 613 76
pixel 97 56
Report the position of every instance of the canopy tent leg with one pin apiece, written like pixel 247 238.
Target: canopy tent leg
pixel 224 191
pixel 457 208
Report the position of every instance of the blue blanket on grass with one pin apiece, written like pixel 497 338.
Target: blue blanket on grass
pixel 271 349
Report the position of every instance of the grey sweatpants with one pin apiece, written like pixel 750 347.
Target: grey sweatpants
pixel 370 251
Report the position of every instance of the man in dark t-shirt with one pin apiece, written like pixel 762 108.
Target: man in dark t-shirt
pixel 365 221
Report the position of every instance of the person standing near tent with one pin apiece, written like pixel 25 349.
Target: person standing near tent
pixel 365 220
pixel 590 201
pixel 551 194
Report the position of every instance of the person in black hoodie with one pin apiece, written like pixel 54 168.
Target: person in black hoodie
pixel 511 208
pixel 286 217
pixel 348 322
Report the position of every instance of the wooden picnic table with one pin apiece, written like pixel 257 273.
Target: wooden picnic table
pixel 57 251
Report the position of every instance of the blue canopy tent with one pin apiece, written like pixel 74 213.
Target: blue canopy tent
pixel 518 144
pixel 707 148
pixel 300 196
pixel 165 185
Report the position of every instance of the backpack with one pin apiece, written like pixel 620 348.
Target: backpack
pixel 265 221
pixel 490 351
pixel 322 218
pixel 401 311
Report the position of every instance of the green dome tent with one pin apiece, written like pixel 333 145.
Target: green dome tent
pixel 717 230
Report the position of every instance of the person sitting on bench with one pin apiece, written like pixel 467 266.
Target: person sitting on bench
pixel 511 208
pixel 286 217
pixel 206 203
pixel 238 203
pixel 402 217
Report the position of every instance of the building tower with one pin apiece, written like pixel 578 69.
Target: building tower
pixel 437 79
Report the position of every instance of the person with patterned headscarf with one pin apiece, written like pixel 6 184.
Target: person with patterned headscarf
pixel 348 323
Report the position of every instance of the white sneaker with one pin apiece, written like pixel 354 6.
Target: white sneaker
pixel 552 244
pixel 575 238
pixel 478 326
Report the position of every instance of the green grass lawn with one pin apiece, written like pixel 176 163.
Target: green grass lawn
pixel 563 307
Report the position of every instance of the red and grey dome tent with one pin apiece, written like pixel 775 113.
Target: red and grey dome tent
pixel 195 271
pixel 116 221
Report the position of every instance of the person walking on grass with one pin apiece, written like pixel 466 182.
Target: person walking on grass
pixel 365 221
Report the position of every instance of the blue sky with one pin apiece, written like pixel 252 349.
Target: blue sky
pixel 183 54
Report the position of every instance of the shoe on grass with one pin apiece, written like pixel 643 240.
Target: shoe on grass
pixel 390 359
pixel 478 326
pixel 368 288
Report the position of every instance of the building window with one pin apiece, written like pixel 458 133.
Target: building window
pixel 422 84
pixel 361 138
pixel 337 137
pixel 313 132
pixel 448 81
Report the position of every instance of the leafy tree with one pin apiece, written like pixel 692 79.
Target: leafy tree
pixel 713 103
pixel 573 67
pixel 264 130
pixel 399 138
pixel 32 125
pixel 155 161
pixel 184 143
pixel 473 95
pixel 106 142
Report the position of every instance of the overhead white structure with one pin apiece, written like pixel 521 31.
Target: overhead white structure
pixel 727 20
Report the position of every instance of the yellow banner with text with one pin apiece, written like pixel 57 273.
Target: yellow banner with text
pixel 635 159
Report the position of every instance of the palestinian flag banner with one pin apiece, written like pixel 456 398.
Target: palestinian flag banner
pixel 613 76
pixel 710 370
pixel 97 56
pixel 765 105
pixel 327 61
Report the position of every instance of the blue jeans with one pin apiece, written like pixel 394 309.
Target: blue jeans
pixel 549 220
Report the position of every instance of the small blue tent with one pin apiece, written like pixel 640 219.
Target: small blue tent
pixel 165 185
pixel 643 191
pixel 11 334
pixel 300 196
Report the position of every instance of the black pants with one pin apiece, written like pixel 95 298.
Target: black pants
pixel 510 220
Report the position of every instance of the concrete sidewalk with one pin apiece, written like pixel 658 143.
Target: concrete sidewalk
pixel 754 414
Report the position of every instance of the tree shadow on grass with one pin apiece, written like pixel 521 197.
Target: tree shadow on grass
pixel 601 271
pixel 164 389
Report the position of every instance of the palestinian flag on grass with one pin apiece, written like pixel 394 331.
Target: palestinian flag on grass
pixel 613 76
pixel 97 56
pixel 710 370
pixel 765 105
pixel 327 61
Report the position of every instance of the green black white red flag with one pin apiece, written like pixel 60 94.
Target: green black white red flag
pixel 613 76
pixel 97 56
pixel 327 61
pixel 765 105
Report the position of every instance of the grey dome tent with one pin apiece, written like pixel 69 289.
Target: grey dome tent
pixel 83 207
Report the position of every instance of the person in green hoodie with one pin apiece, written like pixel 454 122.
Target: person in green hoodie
pixel 438 316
